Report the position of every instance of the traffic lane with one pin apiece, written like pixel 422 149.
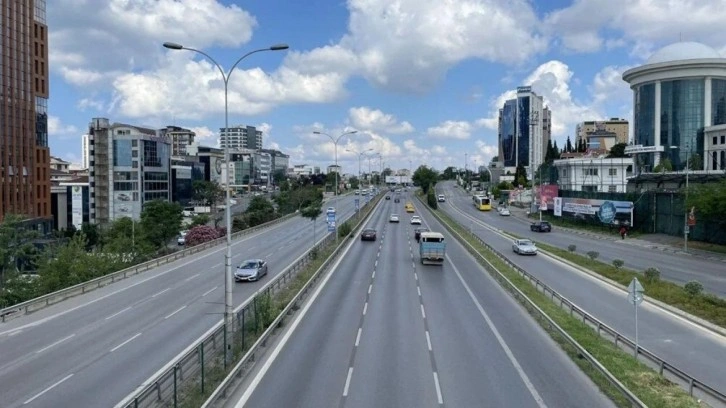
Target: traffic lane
pixel 479 351
pixel 678 268
pixel 660 332
pixel 392 366
pixel 320 347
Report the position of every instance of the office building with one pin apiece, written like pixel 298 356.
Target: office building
pixel 24 153
pixel 525 126
pixel 602 133
pixel 594 174
pixel 84 151
pixel 678 95
pixel 305 170
pixel 179 138
pixel 70 200
pixel 128 166
pixel 240 137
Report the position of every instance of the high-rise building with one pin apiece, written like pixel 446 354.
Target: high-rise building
pixel 179 138
pixel 523 125
pixel 128 166
pixel 24 153
pixel 602 134
pixel 241 137
pixel 84 151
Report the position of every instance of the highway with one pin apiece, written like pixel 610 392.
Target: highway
pixel 695 350
pixel 678 268
pixel 386 331
pixel 93 350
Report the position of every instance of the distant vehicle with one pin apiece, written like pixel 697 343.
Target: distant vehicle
pixel 388 197
pixel 541 226
pixel 330 210
pixel 482 203
pixel 504 211
pixel 123 197
pixel 187 213
pixel 397 200
pixel 416 220
pixel 432 248
pixel 182 239
pixel 410 208
pixel 250 270
pixel 442 198
pixel 524 247
pixel 368 234
pixel 417 233
pixel 357 192
pixel 393 218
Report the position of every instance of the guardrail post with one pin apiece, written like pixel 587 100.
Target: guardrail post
pixel 690 386
pixel 175 388
pixel 244 329
pixel 201 361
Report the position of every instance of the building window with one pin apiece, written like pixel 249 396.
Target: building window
pixel 715 140
pixel 723 139
pixel 612 189
pixel 612 172
pixel 122 153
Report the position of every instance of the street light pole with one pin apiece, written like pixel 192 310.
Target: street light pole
pixel 335 144
pixel 228 306
pixel 360 156
pixel 686 227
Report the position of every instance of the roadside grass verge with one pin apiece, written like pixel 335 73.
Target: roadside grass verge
pixel 582 226
pixel 651 388
pixel 703 305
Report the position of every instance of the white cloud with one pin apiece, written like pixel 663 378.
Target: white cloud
pixel 583 26
pixel 451 129
pixel 203 134
pixel 61 130
pixel 485 152
pixel 366 118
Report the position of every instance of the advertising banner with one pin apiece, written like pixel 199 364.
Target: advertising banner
pixel 558 206
pixel 77 206
pixel 605 211
pixel 331 220
pixel 547 194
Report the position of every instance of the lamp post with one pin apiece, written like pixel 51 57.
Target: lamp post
pixel 685 208
pixel 228 306
pixel 335 144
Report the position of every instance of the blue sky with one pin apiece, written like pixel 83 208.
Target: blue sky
pixel 420 80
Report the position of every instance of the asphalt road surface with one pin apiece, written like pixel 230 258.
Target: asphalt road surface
pixel 93 350
pixel 386 331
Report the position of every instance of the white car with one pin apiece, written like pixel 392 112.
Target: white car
pixel 504 211
pixel 524 247
pixel 416 220
pixel 442 198
pixel 182 239
pixel 330 210
pixel 394 218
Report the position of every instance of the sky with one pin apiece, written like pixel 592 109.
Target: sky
pixel 421 81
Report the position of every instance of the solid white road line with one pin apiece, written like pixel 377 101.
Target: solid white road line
pixel 118 313
pixel 126 342
pixel 525 379
pixel 347 381
pixel 159 293
pixel 175 312
pixel 47 389
pixel 55 344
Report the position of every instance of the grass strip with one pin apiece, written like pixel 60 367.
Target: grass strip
pixel 703 305
pixel 653 389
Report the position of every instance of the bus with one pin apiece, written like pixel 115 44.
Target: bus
pixel 482 203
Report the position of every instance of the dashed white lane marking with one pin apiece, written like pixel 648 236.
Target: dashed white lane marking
pixel 159 293
pixel 209 291
pixel 428 340
pixel 347 381
pixel 55 344
pixel 415 275
pixel 365 308
pixel 374 275
pixel 418 289
pixel 48 389
pixel 423 312
pixel 370 288
pixel 118 313
pixel 126 342
pixel 438 389
pixel 191 277
pixel 357 338
pixel 175 312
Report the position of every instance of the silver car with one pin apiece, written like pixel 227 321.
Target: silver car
pixel 250 270
pixel 524 247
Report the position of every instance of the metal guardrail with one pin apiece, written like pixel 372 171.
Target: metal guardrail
pixel 206 356
pixel 44 301
pixel 692 385
pixel 524 299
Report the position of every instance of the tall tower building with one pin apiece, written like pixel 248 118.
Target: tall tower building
pixel 84 151
pixel 24 153
pixel 524 124
pixel 241 137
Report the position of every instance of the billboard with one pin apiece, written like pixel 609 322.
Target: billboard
pixel 398 180
pixel 77 206
pixel 604 211
pixel 546 194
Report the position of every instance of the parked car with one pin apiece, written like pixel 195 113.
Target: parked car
pixel 541 226
pixel 417 232
pixel 415 220
pixel 394 218
pixel 250 270
pixel 524 247
pixel 182 239
pixel 504 211
pixel 368 234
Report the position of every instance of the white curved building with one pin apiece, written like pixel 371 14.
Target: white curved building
pixel 677 95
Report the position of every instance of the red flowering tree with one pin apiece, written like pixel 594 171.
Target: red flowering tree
pixel 201 234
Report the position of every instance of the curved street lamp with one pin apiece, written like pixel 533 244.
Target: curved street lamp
pixel 360 156
pixel 228 306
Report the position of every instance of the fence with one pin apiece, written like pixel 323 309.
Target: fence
pixel 694 387
pixel 44 301
pixel 187 376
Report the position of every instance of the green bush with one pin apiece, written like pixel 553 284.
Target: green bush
pixel 344 229
pixel 693 288
pixel 593 254
pixel 431 199
pixel 572 248
pixel 651 274
pixel 618 263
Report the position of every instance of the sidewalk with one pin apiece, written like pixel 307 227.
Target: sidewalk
pixel 660 242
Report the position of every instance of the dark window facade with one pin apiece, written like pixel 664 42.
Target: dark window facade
pixel 681 117
pixel 509 132
pixel 718 101
pixel 122 152
pixel 644 121
pixel 523 140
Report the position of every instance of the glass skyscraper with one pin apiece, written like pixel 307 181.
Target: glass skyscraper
pixel 523 123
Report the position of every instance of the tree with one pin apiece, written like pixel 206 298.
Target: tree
pixel 200 219
pixel 354 182
pixel 425 178
pixel 708 200
pixel 160 222
pixel 312 212
pixel 278 176
pixel 259 211
pixel 555 151
pixel 449 173
pixel 92 234
pixel 549 153
pixel 387 172
pixel 618 150
pixel 431 199
pixel 16 246
pixel 200 234
pixel 665 165
pixel 568 145
pixel 695 162
pixel 207 192
pixel 520 176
